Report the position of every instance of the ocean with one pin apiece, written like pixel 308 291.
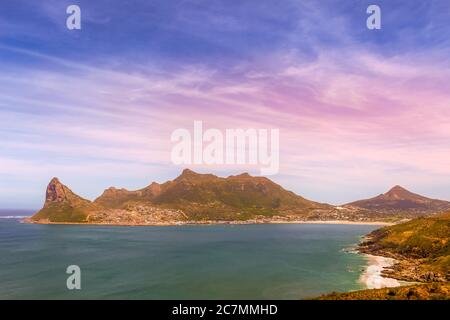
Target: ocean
pixel 272 261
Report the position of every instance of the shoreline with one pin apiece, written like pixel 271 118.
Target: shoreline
pixel 373 277
pixel 203 223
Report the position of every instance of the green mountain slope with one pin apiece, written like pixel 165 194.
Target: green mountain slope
pixel 190 197
pixel 432 291
pixel 422 250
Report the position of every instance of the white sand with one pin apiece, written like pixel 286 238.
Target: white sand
pixel 372 277
pixel 370 223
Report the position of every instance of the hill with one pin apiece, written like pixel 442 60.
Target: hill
pixel 63 205
pixel 201 198
pixel 422 247
pixel 430 291
pixel 400 203
pixel 190 197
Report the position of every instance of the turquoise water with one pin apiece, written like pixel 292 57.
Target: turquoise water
pixel 185 262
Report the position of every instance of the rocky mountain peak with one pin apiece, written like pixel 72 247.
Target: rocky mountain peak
pixel 400 193
pixel 191 176
pixel 56 191
pixel 397 190
pixel 187 173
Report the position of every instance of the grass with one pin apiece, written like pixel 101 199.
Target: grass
pixel 429 291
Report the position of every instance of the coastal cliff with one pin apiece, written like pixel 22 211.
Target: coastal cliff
pixel 421 249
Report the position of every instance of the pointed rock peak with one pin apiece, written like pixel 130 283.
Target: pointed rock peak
pixel 56 191
pixel 55 181
pixel 188 173
pixel 398 188
pixel 398 191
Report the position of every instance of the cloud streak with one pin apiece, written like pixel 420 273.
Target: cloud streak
pixel 353 120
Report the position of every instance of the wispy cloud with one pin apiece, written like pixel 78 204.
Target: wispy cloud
pixel 354 114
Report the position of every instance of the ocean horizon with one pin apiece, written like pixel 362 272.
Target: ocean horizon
pixel 16 213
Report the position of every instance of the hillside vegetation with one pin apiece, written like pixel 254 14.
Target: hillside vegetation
pixel 421 248
pixel 206 198
pixel 423 243
pixel 191 197
pixel 430 291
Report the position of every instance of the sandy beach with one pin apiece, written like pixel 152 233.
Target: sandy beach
pixel 371 223
pixel 372 277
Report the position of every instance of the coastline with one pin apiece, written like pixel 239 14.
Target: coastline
pixel 370 223
pixel 190 223
pixel 373 278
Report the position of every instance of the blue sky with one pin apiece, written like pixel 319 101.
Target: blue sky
pixel 359 110
pixel 192 31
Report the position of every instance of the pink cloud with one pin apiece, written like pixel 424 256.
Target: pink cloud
pixel 345 119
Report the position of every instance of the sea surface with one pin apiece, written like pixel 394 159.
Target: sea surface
pixel 276 261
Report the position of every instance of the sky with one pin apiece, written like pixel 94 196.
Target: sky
pixel 358 110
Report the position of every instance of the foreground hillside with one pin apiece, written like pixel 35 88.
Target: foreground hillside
pixel 430 291
pixel 422 247
pixel 422 250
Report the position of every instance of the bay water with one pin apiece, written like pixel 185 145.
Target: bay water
pixel 265 261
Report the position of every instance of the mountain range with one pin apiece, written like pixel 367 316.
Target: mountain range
pixel 206 198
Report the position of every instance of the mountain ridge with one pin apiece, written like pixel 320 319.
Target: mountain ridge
pixel 398 200
pixel 201 198
pixel 189 197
